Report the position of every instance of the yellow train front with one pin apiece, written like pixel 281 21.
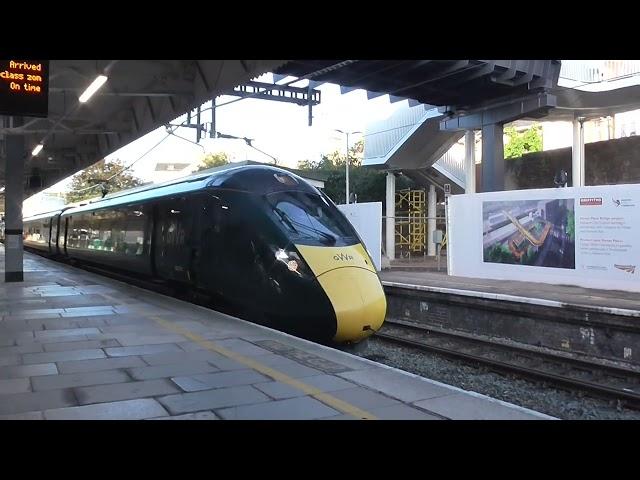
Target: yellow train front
pixel 350 281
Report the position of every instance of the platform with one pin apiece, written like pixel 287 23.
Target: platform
pixel 76 345
pixel 624 303
pixel 603 325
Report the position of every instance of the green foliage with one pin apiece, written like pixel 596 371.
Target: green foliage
pixel 529 257
pixel 571 225
pixel 212 160
pixel 368 184
pixel 498 253
pixel 96 175
pixel 524 142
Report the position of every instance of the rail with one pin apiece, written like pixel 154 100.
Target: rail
pixel 608 382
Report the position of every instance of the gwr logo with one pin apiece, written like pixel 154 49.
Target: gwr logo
pixel 343 256
pixel 591 201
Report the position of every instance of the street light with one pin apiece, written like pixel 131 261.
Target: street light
pixel 347 162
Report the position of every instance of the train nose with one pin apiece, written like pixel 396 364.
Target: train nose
pixel 358 301
pixel 350 281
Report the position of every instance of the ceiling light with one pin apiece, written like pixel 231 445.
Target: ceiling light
pixel 36 150
pixel 93 88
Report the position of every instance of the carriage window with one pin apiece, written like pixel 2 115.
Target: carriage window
pixel 134 234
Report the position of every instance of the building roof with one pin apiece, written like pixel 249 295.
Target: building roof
pixel 171 166
pixel 306 174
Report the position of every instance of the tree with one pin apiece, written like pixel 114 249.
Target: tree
pixel 571 225
pixel 522 142
pixel 367 183
pixel 97 175
pixel 212 160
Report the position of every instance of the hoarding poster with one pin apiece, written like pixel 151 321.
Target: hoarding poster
pixel 587 236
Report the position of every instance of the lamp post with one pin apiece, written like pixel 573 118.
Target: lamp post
pixel 347 161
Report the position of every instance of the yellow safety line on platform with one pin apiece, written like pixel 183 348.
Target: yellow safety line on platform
pixel 316 393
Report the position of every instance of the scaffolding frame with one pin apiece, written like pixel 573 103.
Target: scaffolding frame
pixel 411 224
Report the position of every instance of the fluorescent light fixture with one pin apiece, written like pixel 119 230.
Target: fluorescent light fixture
pixel 93 88
pixel 36 150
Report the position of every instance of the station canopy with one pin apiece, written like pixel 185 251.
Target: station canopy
pixel 138 97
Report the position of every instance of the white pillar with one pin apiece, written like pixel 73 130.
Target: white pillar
pixel 470 161
pixel 390 224
pixel 431 221
pixel 346 190
pixel 577 154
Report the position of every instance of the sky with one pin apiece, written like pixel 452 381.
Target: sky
pixel 280 129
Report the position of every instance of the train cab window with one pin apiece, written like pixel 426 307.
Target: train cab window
pixel 310 218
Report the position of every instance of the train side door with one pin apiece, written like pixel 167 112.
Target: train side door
pixel 53 234
pixel 210 248
pixel 63 237
pixel 173 252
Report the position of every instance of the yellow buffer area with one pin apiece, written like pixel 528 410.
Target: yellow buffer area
pixel 349 279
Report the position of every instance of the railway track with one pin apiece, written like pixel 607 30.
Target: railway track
pixel 603 381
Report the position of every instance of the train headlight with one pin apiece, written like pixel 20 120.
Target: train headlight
pixel 293 262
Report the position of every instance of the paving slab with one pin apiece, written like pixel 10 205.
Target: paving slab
pixel 22 371
pixel 206 415
pixel 54 382
pixel 212 399
pixel 124 391
pixel 14 385
pixel 142 350
pixel 79 366
pixel 467 407
pixel 301 408
pixel 23 416
pixel 33 401
pixel 172 370
pixel 48 357
pixel 207 381
pixel 139 409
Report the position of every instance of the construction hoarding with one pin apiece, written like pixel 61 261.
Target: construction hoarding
pixel 587 236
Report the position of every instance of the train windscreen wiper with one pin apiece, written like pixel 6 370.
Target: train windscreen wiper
pixel 289 221
pixel 285 218
pixel 325 235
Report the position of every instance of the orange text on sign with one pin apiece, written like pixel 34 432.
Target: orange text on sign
pixel 36 67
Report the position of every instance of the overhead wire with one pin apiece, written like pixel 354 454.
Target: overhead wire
pixel 304 77
pixel 127 167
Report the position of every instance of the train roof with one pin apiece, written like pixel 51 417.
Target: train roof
pixel 260 179
pixel 40 216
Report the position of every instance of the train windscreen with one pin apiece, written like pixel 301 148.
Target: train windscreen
pixel 311 220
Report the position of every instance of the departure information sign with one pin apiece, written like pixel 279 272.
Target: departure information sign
pixel 24 87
